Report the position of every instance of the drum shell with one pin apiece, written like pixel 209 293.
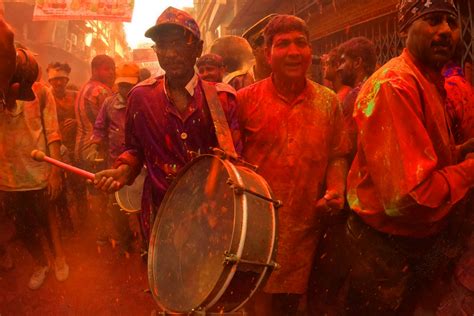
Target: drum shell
pixel 259 242
pixel 253 240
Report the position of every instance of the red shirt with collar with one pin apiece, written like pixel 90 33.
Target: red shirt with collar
pixel 405 178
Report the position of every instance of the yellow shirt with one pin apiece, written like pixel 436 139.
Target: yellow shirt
pixel 21 132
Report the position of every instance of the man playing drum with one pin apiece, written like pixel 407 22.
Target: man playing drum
pixel 292 129
pixel 168 119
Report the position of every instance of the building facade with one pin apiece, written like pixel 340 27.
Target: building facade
pixel 75 42
pixel 332 22
pixel 214 18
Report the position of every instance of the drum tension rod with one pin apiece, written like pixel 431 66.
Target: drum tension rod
pixel 231 258
pixel 237 160
pixel 239 190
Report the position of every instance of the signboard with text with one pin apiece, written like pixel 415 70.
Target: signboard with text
pixel 108 10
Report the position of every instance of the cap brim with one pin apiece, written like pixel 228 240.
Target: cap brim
pixel 130 80
pixel 54 77
pixel 258 27
pixel 153 31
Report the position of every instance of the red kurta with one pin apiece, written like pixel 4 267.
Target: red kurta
pixel 460 104
pixel 404 180
pixel 292 143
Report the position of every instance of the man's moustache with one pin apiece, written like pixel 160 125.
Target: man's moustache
pixel 442 43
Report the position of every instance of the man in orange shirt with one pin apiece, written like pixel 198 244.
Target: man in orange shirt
pixel 407 175
pixel 291 129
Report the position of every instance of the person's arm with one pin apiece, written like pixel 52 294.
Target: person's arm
pixel 336 175
pixel 55 180
pixel 100 132
pixel 336 172
pixel 401 158
pixel 7 56
pixel 129 164
pixel 100 126
pixel 8 94
pixel 53 142
pixel 94 102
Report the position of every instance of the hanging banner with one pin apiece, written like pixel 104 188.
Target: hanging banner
pixel 146 58
pixel 106 10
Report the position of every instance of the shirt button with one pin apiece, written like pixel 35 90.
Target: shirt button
pixel 184 136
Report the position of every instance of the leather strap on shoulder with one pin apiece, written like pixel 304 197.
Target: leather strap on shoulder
pixel 223 134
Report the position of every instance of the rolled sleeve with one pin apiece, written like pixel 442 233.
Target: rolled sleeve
pixel 100 126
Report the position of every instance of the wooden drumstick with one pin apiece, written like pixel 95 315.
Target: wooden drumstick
pixel 40 156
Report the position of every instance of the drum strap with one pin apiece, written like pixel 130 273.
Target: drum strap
pixel 224 136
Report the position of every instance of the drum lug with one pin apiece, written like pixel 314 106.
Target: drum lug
pixel 231 258
pixel 220 153
pixel 225 156
pixel 239 190
pixel 247 165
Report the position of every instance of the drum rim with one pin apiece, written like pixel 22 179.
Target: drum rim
pixel 243 205
pixel 121 204
pixel 265 274
pixel 141 177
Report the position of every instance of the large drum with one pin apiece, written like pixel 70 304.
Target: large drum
pixel 214 239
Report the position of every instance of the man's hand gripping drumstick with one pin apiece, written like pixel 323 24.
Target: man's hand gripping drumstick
pixel 109 180
pixel 112 180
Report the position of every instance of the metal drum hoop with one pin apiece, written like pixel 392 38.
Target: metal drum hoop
pixel 129 197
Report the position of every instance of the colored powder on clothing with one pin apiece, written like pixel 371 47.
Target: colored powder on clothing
pixel 393 212
pixel 371 104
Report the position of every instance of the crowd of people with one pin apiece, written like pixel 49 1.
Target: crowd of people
pixel 375 169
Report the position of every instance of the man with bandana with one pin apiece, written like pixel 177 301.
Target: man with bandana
pixel 211 67
pixel 408 175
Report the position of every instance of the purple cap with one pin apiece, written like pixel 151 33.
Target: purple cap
pixel 173 16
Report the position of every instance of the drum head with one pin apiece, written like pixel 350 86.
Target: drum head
pixel 193 230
